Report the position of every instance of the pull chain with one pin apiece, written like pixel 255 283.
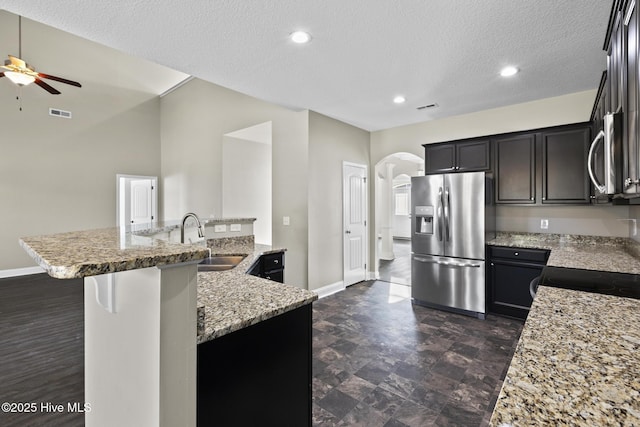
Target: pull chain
pixel 19 97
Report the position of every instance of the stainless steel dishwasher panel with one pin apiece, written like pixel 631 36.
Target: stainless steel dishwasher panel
pixel 445 282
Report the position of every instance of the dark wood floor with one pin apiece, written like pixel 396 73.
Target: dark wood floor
pixel 41 349
pixel 397 270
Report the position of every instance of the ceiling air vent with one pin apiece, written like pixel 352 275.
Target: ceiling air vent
pixel 59 113
pixel 424 107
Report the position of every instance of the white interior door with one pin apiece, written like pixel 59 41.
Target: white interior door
pixel 354 184
pixel 141 201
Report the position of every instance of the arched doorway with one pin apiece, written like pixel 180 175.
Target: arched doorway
pixel 393 215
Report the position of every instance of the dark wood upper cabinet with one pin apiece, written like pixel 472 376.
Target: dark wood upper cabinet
pixel 439 158
pixel 471 155
pixel 515 167
pixel 564 165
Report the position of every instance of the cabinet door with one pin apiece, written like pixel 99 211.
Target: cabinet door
pixel 473 156
pixel 439 158
pixel 509 287
pixel 564 166
pixel 614 65
pixel 630 99
pixel 515 165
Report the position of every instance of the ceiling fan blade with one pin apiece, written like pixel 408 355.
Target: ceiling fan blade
pixel 59 79
pixel 46 87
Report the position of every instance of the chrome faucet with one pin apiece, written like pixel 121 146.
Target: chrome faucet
pixel 184 220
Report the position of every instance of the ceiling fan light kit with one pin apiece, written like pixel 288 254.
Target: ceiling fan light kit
pixel 19 78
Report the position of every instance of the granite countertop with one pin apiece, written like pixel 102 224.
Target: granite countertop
pixel 233 299
pixel 614 254
pixel 575 364
pixel 79 254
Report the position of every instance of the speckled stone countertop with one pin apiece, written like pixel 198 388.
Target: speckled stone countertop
pixel 615 254
pixel 576 363
pixel 79 254
pixel 233 299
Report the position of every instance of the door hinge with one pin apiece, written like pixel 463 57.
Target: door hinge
pixel 365 222
pixel 364 178
pixel 151 216
pixel 365 265
pixel 152 187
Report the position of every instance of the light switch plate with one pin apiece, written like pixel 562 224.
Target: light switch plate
pixel 286 220
pixel 235 227
pixel 544 224
pixel 220 228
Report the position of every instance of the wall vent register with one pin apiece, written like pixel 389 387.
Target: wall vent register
pixel 59 113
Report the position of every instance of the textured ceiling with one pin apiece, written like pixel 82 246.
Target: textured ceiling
pixel 363 52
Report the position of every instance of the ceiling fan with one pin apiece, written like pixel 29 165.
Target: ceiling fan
pixel 22 74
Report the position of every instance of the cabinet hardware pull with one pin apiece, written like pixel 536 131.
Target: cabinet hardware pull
pixel 275 261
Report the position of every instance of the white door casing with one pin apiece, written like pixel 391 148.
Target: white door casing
pixel 136 200
pixel 354 190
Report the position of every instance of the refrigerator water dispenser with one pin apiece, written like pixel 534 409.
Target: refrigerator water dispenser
pixel 424 219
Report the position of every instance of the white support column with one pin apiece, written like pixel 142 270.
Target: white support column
pixel 386 208
pixel 140 356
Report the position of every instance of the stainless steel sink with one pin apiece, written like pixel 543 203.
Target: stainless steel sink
pixel 220 263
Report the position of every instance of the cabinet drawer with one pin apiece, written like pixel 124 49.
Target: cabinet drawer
pixel 272 261
pixel 520 254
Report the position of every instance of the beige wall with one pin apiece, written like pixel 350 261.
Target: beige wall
pixel 584 220
pixel 60 174
pixel 331 142
pixel 634 214
pixel 559 110
pixel 194 119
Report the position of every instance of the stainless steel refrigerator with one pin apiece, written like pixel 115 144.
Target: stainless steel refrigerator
pixel 452 217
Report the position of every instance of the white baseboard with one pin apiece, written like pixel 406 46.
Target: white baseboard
pixel 331 289
pixel 15 272
pixel 372 275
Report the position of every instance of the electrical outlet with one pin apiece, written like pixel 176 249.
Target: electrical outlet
pixel 235 227
pixel 544 224
pixel 286 220
pixel 220 228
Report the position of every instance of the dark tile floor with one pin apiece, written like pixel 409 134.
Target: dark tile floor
pixel 397 270
pixel 378 360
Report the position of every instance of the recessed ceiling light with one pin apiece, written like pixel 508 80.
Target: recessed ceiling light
pixel 399 99
pixel 300 37
pixel 508 71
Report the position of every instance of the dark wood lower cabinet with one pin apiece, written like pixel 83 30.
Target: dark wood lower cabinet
pixel 259 375
pixel 511 272
pixel 269 266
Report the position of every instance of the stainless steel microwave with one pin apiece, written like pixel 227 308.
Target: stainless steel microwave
pixel 605 159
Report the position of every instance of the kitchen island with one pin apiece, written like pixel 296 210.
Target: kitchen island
pixel 254 352
pixel 575 364
pixel 141 335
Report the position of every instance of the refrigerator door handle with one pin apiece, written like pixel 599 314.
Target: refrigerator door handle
pixel 440 213
pixel 445 263
pixel 446 214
